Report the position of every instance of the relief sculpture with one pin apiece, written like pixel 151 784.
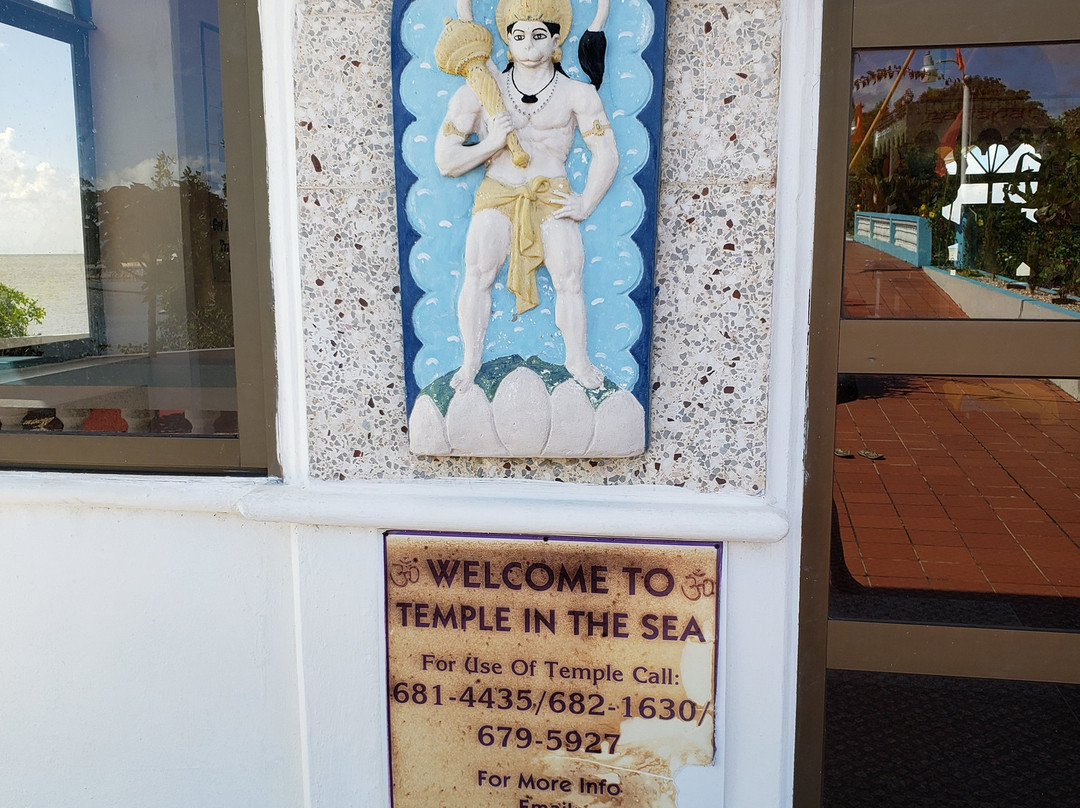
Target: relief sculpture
pixel 525 286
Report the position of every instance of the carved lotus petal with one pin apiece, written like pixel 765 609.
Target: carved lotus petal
pixel 470 426
pixel 427 429
pixel 572 421
pixel 620 427
pixel 522 413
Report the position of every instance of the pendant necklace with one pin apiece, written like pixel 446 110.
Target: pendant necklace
pixel 532 98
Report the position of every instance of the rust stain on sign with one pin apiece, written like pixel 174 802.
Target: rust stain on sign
pixel 535 673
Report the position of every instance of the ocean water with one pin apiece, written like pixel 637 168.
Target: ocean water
pixel 57 282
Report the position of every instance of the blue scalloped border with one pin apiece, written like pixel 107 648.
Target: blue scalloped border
pixel 646 178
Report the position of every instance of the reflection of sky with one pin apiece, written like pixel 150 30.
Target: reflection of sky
pixel 1051 73
pixel 152 61
pixel 134 50
pixel 39 204
pixel 439 207
pixel 36 97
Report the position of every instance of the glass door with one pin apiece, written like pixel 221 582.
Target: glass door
pixel 940 644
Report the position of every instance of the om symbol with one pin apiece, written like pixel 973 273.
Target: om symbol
pixel 698 585
pixel 403 573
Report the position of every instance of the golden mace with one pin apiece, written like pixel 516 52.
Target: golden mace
pixel 463 49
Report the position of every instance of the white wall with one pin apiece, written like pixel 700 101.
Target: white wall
pixel 145 660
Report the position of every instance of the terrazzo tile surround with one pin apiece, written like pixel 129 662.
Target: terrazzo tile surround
pixel 713 272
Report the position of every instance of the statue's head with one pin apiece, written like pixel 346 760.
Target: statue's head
pixel 554 14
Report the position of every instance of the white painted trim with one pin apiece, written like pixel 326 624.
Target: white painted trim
pixel 23 489
pixel 515 506
pixel 276 20
pixel 796 186
pixel 448 505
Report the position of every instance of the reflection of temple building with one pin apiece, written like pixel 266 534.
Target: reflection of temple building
pixel 980 132
pixel 935 122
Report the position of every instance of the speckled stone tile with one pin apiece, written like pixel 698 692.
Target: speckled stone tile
pixel 713 273
pixel 348 245
pixel 741 98
pixel 351 305
pixel 682 154
pixel 730 53
pixel 344 123
pixel 308 8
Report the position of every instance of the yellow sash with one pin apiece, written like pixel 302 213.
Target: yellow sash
pixel 527 207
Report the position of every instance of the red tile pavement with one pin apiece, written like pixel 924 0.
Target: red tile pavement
pixel 878 285
pixel 979 487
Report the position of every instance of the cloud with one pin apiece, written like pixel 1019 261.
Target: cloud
pixel 41 208
pixel 141 172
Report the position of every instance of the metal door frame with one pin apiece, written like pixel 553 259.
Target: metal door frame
pixel 926 347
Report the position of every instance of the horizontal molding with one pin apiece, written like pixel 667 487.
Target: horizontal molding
pixel 1037 348
pixel 474 506
pixel 927 23
pixel 984 653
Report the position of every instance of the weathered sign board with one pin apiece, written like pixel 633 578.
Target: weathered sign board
pixel 530 672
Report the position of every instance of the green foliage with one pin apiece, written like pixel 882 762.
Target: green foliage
pixel 17 311
pixel 1051 244
pixel 209 325
pixel 163 175
pixel 183 271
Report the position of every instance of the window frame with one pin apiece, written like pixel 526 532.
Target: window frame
pixel 253 449
pixel 887 346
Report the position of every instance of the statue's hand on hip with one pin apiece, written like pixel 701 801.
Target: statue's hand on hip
pixel 572 207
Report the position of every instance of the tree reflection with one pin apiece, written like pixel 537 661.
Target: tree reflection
pixel 911 169
pixel 167 241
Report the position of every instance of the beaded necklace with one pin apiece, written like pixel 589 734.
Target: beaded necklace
pixel 532 98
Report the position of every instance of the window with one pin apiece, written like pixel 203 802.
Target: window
pixel 132 299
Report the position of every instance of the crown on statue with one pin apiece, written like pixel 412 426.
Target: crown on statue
pixel 507 12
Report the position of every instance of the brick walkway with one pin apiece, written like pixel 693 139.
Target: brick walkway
pixel 978 486
pixel 877 285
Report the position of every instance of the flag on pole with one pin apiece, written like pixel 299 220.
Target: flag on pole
pixel 948 143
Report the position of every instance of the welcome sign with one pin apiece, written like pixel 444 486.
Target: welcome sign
pixel 539 672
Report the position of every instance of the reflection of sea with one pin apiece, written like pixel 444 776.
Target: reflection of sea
pixel 58 284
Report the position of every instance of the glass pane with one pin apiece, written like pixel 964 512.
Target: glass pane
pixel 59 5
pixel 964 184
pixel 142 116
pixel 42 267
pixel 904 741
pixel 957 499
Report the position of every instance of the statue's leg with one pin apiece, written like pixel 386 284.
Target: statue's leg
pixel 486 247
pixel 564 256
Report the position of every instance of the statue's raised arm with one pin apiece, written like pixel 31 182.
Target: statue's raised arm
pixel 464 49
